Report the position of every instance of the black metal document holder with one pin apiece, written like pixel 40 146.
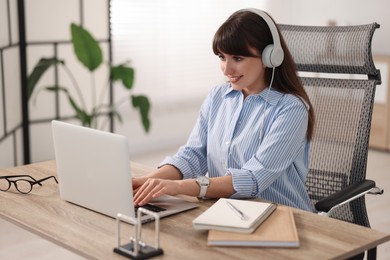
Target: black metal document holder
pixel 138 249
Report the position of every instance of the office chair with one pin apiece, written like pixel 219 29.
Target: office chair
pixel 336 68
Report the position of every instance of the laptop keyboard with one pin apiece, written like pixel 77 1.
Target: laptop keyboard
pixel 150 207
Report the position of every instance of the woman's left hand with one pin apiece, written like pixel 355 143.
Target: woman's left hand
pixel 153 188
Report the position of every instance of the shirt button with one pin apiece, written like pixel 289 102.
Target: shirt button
pixel 227 142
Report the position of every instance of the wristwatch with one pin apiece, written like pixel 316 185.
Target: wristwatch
pixel 203 183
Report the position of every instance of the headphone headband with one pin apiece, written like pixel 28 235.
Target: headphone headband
pixel 272 54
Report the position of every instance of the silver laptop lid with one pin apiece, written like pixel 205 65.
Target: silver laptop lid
pixel 93 168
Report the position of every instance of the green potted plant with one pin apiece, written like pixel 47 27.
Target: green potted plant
pixel 89 53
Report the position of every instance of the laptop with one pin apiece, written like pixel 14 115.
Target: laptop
pixel 93 169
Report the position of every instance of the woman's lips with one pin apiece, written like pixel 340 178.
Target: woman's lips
pixel 234 79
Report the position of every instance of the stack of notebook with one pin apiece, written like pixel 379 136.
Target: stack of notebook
pixel 248 223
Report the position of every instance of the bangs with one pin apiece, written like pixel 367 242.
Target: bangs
pixel 230 40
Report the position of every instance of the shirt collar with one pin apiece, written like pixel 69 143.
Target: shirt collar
pixel 270 95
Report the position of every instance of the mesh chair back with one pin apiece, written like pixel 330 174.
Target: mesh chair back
pixel 342 104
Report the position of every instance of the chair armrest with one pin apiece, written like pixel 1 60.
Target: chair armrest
pixel 350 193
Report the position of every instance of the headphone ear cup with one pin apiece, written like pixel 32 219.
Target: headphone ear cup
pixel 267 55
pixel 272 57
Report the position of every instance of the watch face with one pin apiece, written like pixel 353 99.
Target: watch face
pixel 203 180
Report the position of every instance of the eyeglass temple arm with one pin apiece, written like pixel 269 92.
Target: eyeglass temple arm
pixel 41 180
pixel 15 176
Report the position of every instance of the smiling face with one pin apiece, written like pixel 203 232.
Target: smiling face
pixel 245 73
pixel 239 42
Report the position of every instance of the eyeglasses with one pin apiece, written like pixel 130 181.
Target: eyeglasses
pixel 22 184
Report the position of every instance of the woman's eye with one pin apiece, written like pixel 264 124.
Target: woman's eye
pixel 221 57
pixel 237 58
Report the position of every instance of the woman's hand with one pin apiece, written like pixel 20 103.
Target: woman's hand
pixel 137 183
pixel 149 188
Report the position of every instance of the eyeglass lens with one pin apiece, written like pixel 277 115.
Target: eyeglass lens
pixel 21 185
pixel 4 184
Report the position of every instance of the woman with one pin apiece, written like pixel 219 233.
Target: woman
pixel 252 134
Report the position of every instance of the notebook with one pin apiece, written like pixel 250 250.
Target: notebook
pixel 93 169
pixel 278 230
pixel 242 216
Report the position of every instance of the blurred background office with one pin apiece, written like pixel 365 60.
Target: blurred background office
pixel 168 43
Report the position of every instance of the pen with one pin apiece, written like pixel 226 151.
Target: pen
pixel 236 210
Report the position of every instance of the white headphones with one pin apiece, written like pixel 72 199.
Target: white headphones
pixel 273 54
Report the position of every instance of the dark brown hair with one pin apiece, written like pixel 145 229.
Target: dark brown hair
pixel 245 30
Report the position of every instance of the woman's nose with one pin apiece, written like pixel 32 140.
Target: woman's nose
pixel 227 68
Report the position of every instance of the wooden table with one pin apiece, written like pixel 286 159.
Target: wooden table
pixel 93 235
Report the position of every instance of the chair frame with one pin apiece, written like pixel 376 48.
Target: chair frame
pixel 317 49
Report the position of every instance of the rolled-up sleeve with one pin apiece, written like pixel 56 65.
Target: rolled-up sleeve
pixel 244 184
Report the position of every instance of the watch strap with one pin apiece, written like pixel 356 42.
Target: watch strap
pixel 203 190
pixel 203 183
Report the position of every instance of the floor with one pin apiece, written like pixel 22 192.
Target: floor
pixel 16 243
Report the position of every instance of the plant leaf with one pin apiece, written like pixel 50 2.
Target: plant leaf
pixel 39 69
pixel 81 114
pixel 86 48
pixel 142 102
pixel 123 73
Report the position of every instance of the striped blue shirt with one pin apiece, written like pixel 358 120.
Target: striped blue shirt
pixel 260 141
